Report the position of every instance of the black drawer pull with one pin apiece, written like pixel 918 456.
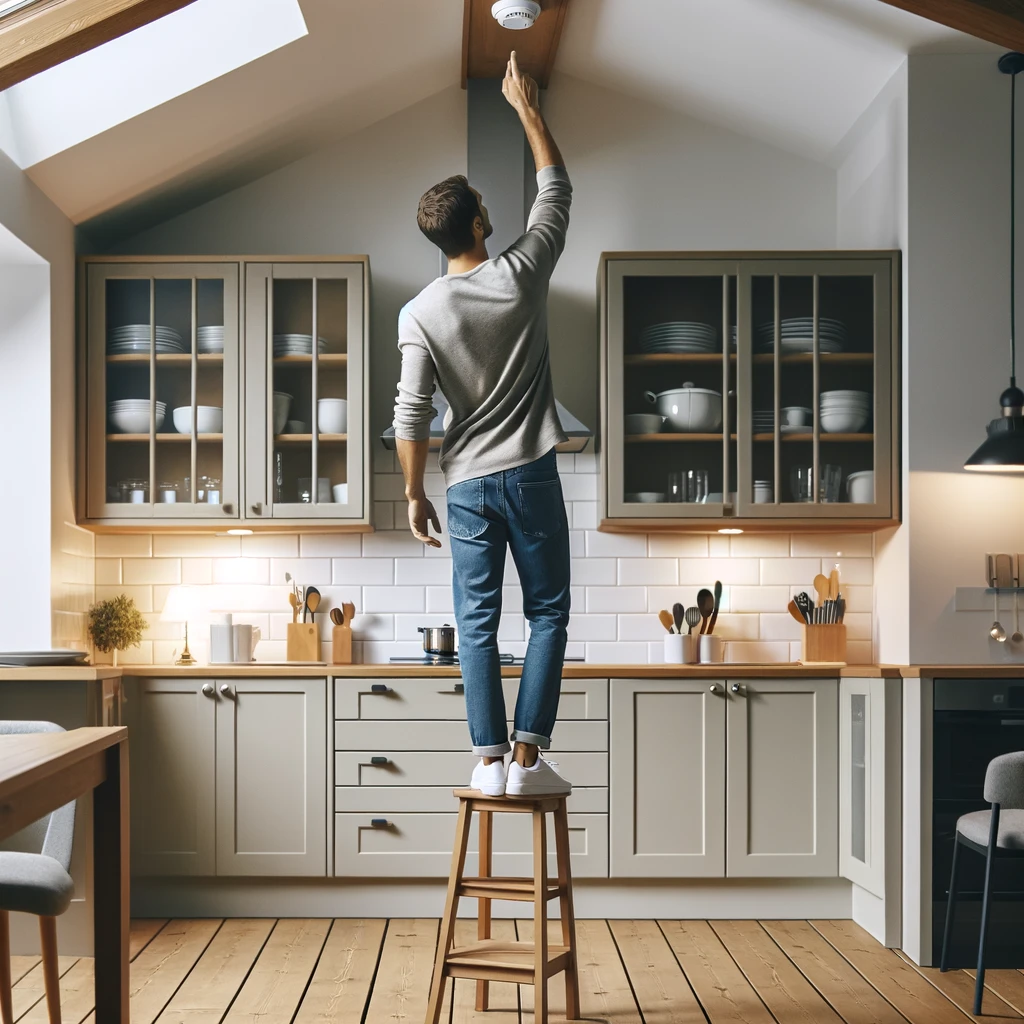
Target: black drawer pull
pixel 380 760
pixel 380 823
pixel 379 688
pixel 460 687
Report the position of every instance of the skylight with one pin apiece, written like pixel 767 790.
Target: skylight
pixel 10 6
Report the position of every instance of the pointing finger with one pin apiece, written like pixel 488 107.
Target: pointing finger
pixel 514 64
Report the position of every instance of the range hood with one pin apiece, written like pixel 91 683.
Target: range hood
pixel 501 166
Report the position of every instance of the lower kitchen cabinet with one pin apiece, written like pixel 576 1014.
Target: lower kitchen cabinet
pixel 229 777
pixel 713 779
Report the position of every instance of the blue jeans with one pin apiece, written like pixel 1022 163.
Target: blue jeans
pixel 520 509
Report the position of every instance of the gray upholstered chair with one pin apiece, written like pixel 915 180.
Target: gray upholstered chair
pixel 37 883
pixel 997 832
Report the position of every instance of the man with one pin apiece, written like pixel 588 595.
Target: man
pixel 480 333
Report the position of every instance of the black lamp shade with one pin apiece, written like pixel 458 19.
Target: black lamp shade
pixel 1003 450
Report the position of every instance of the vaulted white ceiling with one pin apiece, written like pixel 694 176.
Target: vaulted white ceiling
pixel 797 73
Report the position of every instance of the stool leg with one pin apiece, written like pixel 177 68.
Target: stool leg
pixel 986 899
pixel 540 919
pixel 451 906
pixel 51 975
pixel 947 930
pixel 572 984
pixel 6 1012
pixel 483 920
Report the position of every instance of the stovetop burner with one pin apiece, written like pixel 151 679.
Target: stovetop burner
pixel 449 660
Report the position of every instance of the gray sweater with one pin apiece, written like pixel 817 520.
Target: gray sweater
pixel 482 338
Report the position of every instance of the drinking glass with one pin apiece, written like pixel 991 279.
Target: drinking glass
pixel 690 485
pixel 801 483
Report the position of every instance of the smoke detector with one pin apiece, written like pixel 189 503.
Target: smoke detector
pixel 515 14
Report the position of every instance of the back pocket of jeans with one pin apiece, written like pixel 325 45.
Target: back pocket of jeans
pixel 466 518
pixel 542 507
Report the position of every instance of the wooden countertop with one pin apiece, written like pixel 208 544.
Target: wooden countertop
pixel 59 673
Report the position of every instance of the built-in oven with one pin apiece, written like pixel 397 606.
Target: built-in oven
pixel 975 720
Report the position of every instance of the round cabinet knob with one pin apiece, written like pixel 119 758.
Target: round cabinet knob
pixel 228 509
pixel 257 508
pixel 226 690
pixel 736 688
pixel 714 688
pixel 207 689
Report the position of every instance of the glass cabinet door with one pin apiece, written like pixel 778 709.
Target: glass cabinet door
pixel 815 389
pixel 305 331
pixel 162 391
pixel 670 379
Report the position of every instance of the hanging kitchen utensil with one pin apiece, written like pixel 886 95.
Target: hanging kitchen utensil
pixel 718 604
pixel 796 613
pixel 678 615
pixel 336 617
pixel 294 602
pixel 692 617
pixel 312 603
pixel 665 618
pixel 1016 636
pixel 706 606
pixel 997 632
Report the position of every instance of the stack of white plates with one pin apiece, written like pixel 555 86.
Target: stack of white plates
pixel 797 335
pixel 763 421
pixel 132 338
pixel 131 415
pixel 296 345
pixel 210 339
pixel 678 336
pixel 845 412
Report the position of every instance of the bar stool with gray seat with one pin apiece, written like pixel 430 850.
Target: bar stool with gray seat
pixel 37 883
pixel 997 832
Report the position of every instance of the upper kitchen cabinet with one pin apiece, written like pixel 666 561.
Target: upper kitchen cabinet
pixel 751 391
pixel 205 401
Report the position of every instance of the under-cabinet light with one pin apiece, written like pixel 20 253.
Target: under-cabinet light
pixel 238 533
pixel 730 529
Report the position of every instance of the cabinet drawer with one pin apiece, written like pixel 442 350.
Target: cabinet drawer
pixel 446 768
pixel 379 800
pixel 420 845
pixel 581 699
pixel 436 735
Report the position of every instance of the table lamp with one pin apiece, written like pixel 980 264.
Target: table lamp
pixel 183 603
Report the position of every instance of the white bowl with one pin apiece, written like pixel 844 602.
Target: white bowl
pixel 844 421
pixel 340 492
pixel 332 415
pixel 135 421
pixel 796 415
pixel 643 423
pixel 646 497
pixel 209 419
pixel 296 427
pixel 860 487
pixel 282 403
pixel 689 409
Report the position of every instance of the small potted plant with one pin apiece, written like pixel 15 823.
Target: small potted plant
pixel 115 625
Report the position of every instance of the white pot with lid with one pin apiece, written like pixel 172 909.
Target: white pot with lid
pixel 689 409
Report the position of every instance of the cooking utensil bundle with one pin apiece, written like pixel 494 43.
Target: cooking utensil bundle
pixel 705 612
pixel 830 606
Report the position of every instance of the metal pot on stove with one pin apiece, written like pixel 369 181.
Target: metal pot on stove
pixel 438 639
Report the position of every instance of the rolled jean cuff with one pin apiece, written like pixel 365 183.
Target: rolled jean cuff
pixel 544 742
pixel 494 750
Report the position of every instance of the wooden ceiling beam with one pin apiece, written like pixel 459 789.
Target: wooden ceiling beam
pixel 486 45
pixel 50 32
pixel 996 21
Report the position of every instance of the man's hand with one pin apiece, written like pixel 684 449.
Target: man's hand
pixel 519 89
pixel 420 513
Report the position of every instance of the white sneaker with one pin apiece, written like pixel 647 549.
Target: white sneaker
pixel 489 778
pixel 539 780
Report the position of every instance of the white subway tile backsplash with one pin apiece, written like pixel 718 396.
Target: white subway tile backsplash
pixel 377 651
pixel 757 651
pixel 392 544
pixel 142 596
pixel 331 545
pixel 407 626
pixel 617 653
pixel 759 545
pixel 389 487
pixel 616 599
pixel 173 545
pixel 641 627
pixel 584 515
pixel 271 545
pixel 439 600
pixel 737 627
pixel 779 627
pixel 128 545
pixel 242 570
pixel 375 627
pixel 307 572
pixel 859 599
pixel 790 570
pixel 108 570
pixel 593 571
pixel 731 571
pixel 615 545
pixel 858 626
pixel 433 486
pixel 592 627
pixel 586 462
pixel 580 487
pixel 759 599
pixel 648 571
pixel 379 571
pixel 856 571
pixel 718 545
pixel 680 545
pixel 577 544
pixel 566 463
pixel 831 545
pixel 384 460
pixel 394 599
pixel 512 599
pixel 384 515
pixel 859 652
pixel 414 571
pixel 151 570
pixel 665 597
pixel 197 572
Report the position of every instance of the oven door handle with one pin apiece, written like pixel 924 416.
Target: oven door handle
pixel 1011 721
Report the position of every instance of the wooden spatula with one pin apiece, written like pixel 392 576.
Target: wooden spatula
pixel 665 619
pixel 350 611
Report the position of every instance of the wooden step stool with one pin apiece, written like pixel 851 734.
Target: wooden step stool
pixel 524 963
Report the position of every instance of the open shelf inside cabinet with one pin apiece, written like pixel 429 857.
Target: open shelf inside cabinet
pixel 307 438
pixel 169 358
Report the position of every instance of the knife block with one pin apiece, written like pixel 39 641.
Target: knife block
pixel 341 645
pixel 303 641
pixel 824 645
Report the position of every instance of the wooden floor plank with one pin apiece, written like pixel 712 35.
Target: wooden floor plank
pixel 1008 985
pixel 273 990
pixel 21 965
pixel 77 996
pixel 605 994
pixel 958 987
pixel 143 931
pixel 212 984
pixel 723 991
pixel 340 989
pixel 659 985
pixel 403 975
pixel 897 981
pixel 842 987
pixel 29 990
pixel 783 989
pixel 504 998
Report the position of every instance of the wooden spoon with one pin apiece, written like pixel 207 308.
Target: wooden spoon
pixel 718 604
pixel 294 602
pixel 821 588
pixel 312 602
pixel 706 607
pixel 796 613
pixel 833 584
pixel 350 611
pixel 336 617
pixel 678 615
pixel 666 620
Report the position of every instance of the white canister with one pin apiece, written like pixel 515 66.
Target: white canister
pixel 712 649
pixel 763 493
pixel 246 638
pixel 674 648
pixel 221 645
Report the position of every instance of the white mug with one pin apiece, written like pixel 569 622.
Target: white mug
pixel 712 649
pixel 674 649
pixel 246 638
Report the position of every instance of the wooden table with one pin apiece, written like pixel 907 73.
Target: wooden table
pixel 43 771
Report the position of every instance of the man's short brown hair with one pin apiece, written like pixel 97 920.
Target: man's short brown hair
pixel 446 214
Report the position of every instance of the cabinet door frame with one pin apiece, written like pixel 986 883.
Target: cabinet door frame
pixel 823 862
pixel 624 862
pixel 96 507
pixel 203 861
pixel 884 271
pixel 312 862
pixel 259 377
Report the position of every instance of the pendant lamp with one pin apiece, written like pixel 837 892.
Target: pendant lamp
pixel 1003 450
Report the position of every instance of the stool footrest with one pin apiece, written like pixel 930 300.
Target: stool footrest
pixel 514 889
pixel 494 960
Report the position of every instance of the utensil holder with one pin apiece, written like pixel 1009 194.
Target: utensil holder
pixel 691 648
pixel 712 649
pixel 341 645
pixel 824 645
pixel 303 641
